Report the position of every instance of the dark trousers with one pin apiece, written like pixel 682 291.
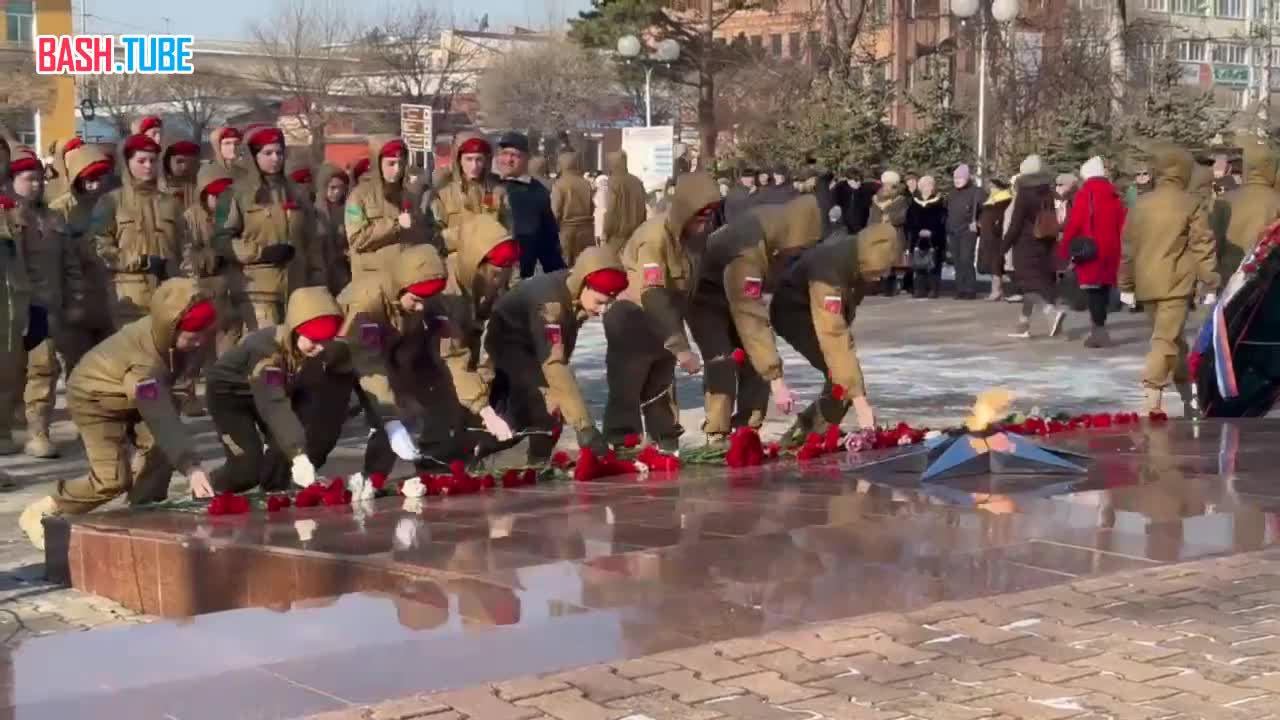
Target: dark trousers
pixel 964 247
pixel 319 400
pixel 1099 301
pixel 544 251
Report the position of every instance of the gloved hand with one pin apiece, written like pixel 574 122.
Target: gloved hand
pixel 1211 299
pixel 1127 298
pixel 277 254
pixel 495 425
pixel 402 443
pixel 591 439
pixel 157 266
pixel 304 473
pixel 37 327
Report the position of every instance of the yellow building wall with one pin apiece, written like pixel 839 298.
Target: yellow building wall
pixel 58 122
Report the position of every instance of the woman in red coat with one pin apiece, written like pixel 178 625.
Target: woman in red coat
pixel 1097 213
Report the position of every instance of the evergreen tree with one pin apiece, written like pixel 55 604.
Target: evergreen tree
pixel 1176 112
pixel 942 143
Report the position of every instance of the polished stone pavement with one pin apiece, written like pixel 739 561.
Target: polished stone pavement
pixel 471 590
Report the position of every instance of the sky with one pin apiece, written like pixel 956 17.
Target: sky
pixel 229 19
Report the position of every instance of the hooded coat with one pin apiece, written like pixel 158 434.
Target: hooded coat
pixel 662 265
pixel 626 208
pixel 57 182
pixel 573 208
pixel 15 286
pixel 202 257
pixel 53 265
pixel 741 263
pixel 1241 215
pixel 991 231
pixel 132 373
pixel 184 189
pixel 1167 244
pixel 374 235
pixel 461 198
pixel 464 309
pixel 1099 213
pixel 234 167
pixel 76 209
pixel 266 363
pixel 1034 266
pixel 539 320
pixel 332 249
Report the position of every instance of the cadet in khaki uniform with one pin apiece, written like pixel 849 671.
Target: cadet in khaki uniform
pixel 57 180
pixel 814 306
pixel 212 263
pixel 729 311
pixel 391 315
pixel 288 386
pixel 1167 248
pixel 331 185
pixel 381 217
pixel 573 208
pixel 1242 214
pixel 150 125
pixel 531 339
pixel 626 208
pixel 472 189
pixel 298 169
pixel 53 270
pixel 179 166
pixel 17 331
pixel 645 328
pixel 88 323
pixel 267 227
pixel 137 232
pixel 119 395
pixel 225 142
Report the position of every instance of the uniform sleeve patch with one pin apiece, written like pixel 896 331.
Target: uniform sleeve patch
pixel 371 335
pixel 354 212
pixel 833 304
pixel 653 275
pixel 273 377
pixel 148 389
pixel 753 287
pixel 441 326
pixel 551 331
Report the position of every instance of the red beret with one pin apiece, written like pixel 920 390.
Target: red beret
pixel 149 122
pixel 228 132
pixel 199 317
pixel 504 254
pixel 72 144
pixel 321 329
pixel 427 288
pixel 215 187
pixel 24 160
pixel 361 167
pixel 609 281
pixel 140 143
pixel 184 147
pixel 475 145
pixel 393 148
pixel 301 175
pixel 265 136
pixel 95 170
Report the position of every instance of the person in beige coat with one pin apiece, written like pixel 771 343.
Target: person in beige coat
pixel 572 205
pixel 626 208
pixel 381 218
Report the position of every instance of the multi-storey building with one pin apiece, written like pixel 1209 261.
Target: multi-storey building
pixel 35 108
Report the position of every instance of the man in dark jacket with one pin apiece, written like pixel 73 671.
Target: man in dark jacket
pixel 533 222
pixel 962 231
pixel 742 197
pixel 781 191
pixel 853 195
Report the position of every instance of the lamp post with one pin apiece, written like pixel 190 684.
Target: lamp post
pixel 667 52
pixel 1002 11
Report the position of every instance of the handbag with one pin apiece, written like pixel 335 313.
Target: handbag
pixel 1084 248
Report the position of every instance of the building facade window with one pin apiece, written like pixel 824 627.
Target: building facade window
pixel 1230 53
pixel 1230 8
pixel 1189 50
pixel 775 45
pixel 757 42
pixel 793 45
pixel 1190 7
pixel 1156 5
pixel 17 22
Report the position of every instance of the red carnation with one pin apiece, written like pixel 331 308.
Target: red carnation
pixel 1057 426
pixel 561 460
pixel 488 482
pixel 406 206
pixel 1102 420
pixel 557 426
pixel 510 478
pixel 529 476
pixel 658 460
pixel 1159 417
pixel 631 440
pixel 772 450
pixel 586 469
pixel 336 498
pixel 378 480
pixel 228 504
pixel 276 503
pixel 457 468
pixel 310 496
pixel 837 392
pixel 289 205
pixel 739 357
pixel 745 449
pixel 1251 267
pixel 831 439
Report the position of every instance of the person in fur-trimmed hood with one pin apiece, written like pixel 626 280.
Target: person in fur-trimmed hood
pixel 927 235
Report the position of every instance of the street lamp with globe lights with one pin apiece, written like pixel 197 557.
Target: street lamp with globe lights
pixel 666 52
pixel 1003 12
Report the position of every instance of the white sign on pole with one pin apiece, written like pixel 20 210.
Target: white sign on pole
pixel 650 154
pixel 417 129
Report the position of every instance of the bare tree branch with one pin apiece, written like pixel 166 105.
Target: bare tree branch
pixel 546 88
pixel 411 58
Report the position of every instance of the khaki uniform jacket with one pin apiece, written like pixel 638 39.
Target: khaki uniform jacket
pixel 542 316
pixel 185 190
pixel 829 282
pixel 661 269
pixel 53 265
pixel 571 201
pixel 60 183
pixel 738 265
pixel 134 370
pixel 254 214
pixel 332 248
pixel 460 199
pixel 76 212
pixel 464 308
pixel 136 221
pixel 206 254
pixel 626 209
pixel 374 235
pixel 1167 244
pixel 15 288
pixel 1242 214
pixel 266 361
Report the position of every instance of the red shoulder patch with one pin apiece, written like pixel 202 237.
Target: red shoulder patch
pixel 833 304
pixel 753 287
pixel 552 333
pixel 371 335
pixel 653 275
pixel 7 203
pixel 273 377
pixel 148 389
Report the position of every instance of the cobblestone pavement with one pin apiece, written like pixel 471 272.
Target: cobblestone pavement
pixel 924 361
pixel 1198 640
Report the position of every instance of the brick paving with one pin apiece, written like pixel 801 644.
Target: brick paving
pixel 1197 640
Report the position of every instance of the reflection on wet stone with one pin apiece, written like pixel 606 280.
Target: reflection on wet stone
pixel 548 578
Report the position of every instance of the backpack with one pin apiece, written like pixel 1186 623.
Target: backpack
pixel 1046 226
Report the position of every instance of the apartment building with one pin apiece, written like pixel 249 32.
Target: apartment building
pixel 34 108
